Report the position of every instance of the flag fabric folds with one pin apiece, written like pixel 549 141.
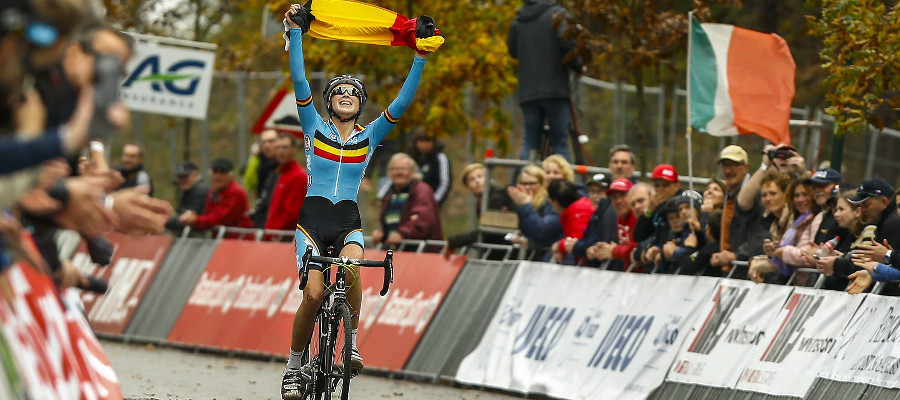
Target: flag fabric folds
pixel 740 82
pixel 359 22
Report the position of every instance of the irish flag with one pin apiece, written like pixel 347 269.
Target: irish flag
pixel 740 82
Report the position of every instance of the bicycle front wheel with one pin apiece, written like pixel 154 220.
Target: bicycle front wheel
pixel 344 350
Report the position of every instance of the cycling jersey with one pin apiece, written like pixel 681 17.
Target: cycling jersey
pixel 336 169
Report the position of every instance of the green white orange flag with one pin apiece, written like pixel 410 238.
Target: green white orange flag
pixel 740 82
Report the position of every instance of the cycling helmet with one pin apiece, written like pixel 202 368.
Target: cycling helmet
pixel 342 80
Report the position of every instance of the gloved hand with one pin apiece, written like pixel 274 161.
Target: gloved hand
pixel 425 27
pixel 304 17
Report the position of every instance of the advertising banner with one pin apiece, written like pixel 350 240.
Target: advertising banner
pixel 134 265
pixel 803 333
pixel 245 301
pixel 52 349
pixel 581 333
pixel 169 80
pixel 733 323
pixel 867 350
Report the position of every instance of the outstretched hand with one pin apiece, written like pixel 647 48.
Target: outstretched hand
pixel 300 16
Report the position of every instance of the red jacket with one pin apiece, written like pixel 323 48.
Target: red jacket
pixel 625 228
pixel 427 224
pixel 227 207
pixel 575 218
pixel 287 197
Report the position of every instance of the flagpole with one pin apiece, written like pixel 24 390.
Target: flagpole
pixel 687 133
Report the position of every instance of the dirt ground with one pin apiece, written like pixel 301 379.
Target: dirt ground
pixel 149 372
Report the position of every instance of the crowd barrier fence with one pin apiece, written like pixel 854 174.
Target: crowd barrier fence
pixel 521 327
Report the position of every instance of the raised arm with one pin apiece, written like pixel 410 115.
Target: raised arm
pixel 385 122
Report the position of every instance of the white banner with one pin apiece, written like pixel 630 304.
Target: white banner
pixel 581 333
pixel 169 80
pixel 802 334
pixel 732 324
pixel 867 350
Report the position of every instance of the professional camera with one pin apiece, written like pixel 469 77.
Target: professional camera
pixel 782 153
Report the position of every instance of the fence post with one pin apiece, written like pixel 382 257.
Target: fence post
pixel 241 100
pixel 873 146
pixel 660 123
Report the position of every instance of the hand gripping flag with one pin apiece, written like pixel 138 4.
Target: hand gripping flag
pixel 358 22
pixel 741 82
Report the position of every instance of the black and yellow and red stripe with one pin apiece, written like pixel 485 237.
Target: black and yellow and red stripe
pixel 360 22
pixel 304 102
pixel 390 118
pixel 332 150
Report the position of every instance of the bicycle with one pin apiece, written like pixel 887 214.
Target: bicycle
pixel 332 376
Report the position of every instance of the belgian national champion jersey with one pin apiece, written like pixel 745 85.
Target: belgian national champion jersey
pixel 335 169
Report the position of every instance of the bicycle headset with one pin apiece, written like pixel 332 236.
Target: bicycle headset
pixel 340 80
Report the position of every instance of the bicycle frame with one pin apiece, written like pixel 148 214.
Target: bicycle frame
pixel 332 311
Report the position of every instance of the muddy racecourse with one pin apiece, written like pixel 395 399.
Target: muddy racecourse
pixel 150 372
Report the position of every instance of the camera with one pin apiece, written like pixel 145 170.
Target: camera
pixel 107 77
pixel 783 154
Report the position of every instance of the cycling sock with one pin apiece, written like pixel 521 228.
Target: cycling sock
pixel 353 336
pixel 295 361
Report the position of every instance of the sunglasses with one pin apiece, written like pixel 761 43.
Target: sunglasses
pixel 348 90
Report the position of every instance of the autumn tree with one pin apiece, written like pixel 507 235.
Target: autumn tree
pixel 861 53
pixel 634 41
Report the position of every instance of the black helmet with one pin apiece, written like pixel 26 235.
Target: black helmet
pixel 341 80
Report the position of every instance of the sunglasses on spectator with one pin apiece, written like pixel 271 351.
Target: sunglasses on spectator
pixel 348 90
pixel 533 183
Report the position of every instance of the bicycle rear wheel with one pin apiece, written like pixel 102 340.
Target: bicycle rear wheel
pixel 343 348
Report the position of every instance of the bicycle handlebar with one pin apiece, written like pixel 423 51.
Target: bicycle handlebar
pixel 387 264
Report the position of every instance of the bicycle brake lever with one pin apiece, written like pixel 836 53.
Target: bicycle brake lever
pixel 388 271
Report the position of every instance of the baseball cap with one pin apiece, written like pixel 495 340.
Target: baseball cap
pixel 619 185
pixel 185 168
pixel 599 179
pixel 665 172
pixel 825 175
pixel 872 187
pixel 692 197
pixel 222 164
pixel 734 153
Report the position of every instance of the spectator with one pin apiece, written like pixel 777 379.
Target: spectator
pixel 575 211
pixel 622 162
pixel 602 226
pixel 408 210
pixel 290 188
pixel 824 186
pixel 557 167
pixel 798 239
pixel 132 168
pixel 875 198
pixel 473 178
pixel 267 173
pixel 699 261
pixel 618 251
pixel 776 219
pixel 652 229
pixel 596 188
pixel 689 226
pixel 261 164
pixel 433 163
pixel 226 202
pixel 192 192
pixel 741 225
pixel 543 90
pixel 714 195
pixel 539 223
pixel 847 218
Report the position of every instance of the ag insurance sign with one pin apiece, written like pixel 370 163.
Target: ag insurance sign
pixel 168 79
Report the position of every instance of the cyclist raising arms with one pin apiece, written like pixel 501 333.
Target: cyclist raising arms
pixel 337 151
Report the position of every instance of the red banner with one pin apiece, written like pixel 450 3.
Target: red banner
pixel 133 267
pixel 247 296
pixel 54 351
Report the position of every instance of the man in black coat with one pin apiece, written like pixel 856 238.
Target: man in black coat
pixel 192 194
pixel 543 90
